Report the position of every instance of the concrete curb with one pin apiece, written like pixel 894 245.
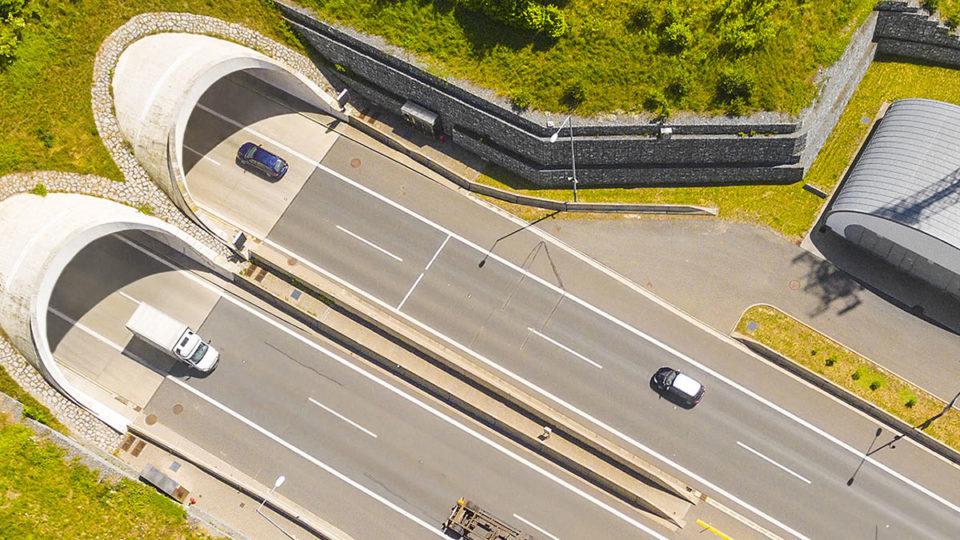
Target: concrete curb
pixel 525 200
pixel 470 373
pixel 848 397
pixel 223 472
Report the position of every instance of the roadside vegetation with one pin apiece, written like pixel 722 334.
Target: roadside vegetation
pixel 949 10
pixel 45 495
pixel 857 374
pixel 31 407
pixel 789 209
pixel 47 65
pixel 718 56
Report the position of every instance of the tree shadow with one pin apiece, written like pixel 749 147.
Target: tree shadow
pixel 829 284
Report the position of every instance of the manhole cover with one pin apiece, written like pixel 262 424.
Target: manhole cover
pixel 151 419
pixel 752 326
pixel 864 119
pixel 177 409
pixel 291 262
pixel 794 285
pixel 355 163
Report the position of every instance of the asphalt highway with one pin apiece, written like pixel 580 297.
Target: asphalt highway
pixel 774 449
pixel 368 453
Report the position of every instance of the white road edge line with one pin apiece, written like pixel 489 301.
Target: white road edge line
pixel 202 155
pixel 771 461
pixel 537 527
pixel 342 417
pixel 422 405
pixel 88 330
pixel 598 422
pixel 308 457
pixel 369 243
pixel 565 348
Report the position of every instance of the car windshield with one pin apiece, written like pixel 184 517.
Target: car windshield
pixel 668 380
pixel 250 152
pixel 279 165
pixel 198 354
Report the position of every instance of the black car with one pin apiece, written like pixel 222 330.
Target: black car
pixel 677 387
pixel 253 156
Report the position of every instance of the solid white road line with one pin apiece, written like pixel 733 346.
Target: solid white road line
pixel 88 330
pixel 369 243
pixel 410 291
pixel 564 347
pixel 367 491
pixel 537 527
pixel 420 404
pixel 571 407
pixel 203 156
pixel 342 417
pixel 771 461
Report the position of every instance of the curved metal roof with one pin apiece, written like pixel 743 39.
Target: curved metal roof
pixel 909 171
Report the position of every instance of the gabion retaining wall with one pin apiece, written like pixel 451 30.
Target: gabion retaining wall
pixel 905 30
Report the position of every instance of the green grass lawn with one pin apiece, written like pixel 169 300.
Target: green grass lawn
pixel 624 62
pixel 43 495
pixel 851 371
pixel 45 113
pixel 31 407
pixel 789 210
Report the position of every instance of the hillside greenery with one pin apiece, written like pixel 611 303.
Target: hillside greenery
pixel 624 55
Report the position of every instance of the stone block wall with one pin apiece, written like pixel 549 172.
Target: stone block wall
pixel 904 30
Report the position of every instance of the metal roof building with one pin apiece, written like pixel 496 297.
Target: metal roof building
pixel 900 199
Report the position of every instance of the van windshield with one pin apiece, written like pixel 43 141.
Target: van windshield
pixel 198 354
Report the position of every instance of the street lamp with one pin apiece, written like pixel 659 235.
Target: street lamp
pixel 276 483
pixel 573 155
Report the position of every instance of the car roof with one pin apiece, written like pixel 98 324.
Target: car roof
pixel 265 157
pixel 686 385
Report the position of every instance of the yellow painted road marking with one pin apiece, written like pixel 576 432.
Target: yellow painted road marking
pixel 708 527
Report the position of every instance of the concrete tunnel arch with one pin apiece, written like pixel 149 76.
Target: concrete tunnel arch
pixel 39 236
pixel 158 82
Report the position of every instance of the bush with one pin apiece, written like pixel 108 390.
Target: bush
pixel 523 14
pixel 736 84
pixel 830 361
pixel 521 100
pixel 676 37
pixel 876 384
pixel 13 19
pixel 657 103
pixel 641 17
pixel 45 136
pixel 40 190
pixel 680 85
pixel 575 94
pixel 911 402
pixel 743 25
pixel 931 5
pixel 857 374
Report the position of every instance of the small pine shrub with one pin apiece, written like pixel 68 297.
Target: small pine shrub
pixel 575 94
pixel 857 374
pixel 45 137
pixel 676 37
pixel 876 384
pixel 521 100
pixel 830 361
pixel 680 85
pixel 641 16
pixel 657 103
pixel 911 401
pixel 40 190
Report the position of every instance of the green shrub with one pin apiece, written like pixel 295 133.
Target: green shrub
pixel 39 189
pixel 554 23
pixel 575 94
pixel 13 19
pixel 743 25
pixel 876 384
pixel 44 135
pixel 524 14
pixel 521 100
pixel 680 85
pixel 641 16
pixel 676 37
pixel 911 401
pixel 931 5
pixel 830 361
pixel 657 103
pixel 735 87
pixel 857 374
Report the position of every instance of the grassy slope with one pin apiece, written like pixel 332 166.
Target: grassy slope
pixel 46 91
pixel 44 496
pixel 813 350
pixel 619 64
pixel 31 407
pixel 788 209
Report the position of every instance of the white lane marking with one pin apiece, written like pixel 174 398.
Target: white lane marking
pixel 128 297
pixel 410 291
pixel 369 243
pixel 342 417
pixel 420 404
pixel 203 156
pixel 89 330
pixel 437 253
pixel 571 407
pixel 425 269
pixel 367 491
pixel 564 347
pixel 771 461
pixel 537 527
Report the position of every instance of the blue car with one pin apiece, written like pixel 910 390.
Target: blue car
pixel 253 156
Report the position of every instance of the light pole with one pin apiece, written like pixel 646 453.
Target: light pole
pixel 573 155
pixel 276 483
